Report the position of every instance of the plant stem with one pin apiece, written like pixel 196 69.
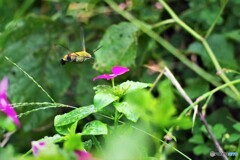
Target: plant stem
pixel 206 95
pixel 203 41
pixel 113 85
pixel 168 21
pixel 216 19
pixel 116 118
pixel 97 144
pixel 217 145
pixel 31 78
pixel 169 47
pixel 156 81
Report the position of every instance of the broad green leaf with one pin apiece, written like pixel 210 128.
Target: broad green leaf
pixel 130 86
pixel 218 130
pixel 73 116
pixel 237 126
pixel 142 102
pixel 63 130
pixel 95 128
pixel 197 139
pixel 201 149
pixel 129 111
pixel 119 46
pixel 102 99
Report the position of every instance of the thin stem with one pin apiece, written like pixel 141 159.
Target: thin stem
pixel 216 19
pixel 113 85
pixel 217 145
pixel 40 108
pixel 116 118
pixel 31 78
pixel 218 67
pixel 206 95
pixel 204 108
pixel 168 21
pixel 204 42
pixel 156 81
pixel 6 138
pixel 169 47
pixel 97 144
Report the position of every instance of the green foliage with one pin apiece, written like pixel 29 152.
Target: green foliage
pixel 125 119
pixel 119 45
pixel 95 128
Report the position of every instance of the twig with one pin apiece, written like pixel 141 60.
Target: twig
pixel 219 148
pixel 6 138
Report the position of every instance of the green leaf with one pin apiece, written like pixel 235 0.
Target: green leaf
pixel 165 107
pixel 54 139
pixel 73 142
pixel 130 86
pixel 215 41
pixel 95 128
pixel 73 128
pixel 237 126
pixel 102 99
pixel 234 137
pixel 73 116
pixel 201 149
pixel 129 111
pixel 119 45
pixel 218 130
pixel 234 35
pixel 191 83
pixel 197 139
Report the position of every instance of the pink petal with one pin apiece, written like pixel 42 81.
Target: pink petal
pixel 4 85
pixel 83 155
pixel 105 76
pixel 5 106
pixel 36 146
pixel 119 70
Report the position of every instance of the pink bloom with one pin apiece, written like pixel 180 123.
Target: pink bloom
pixel 122 6
pixel 36 146
pixel 83 155
pixel 5 106
pixel 116 71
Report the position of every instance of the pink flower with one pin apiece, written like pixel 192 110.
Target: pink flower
pixel 36 146
pixel 116 71
pixel 5 106
pixel 83 155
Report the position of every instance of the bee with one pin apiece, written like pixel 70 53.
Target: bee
pixel 79 56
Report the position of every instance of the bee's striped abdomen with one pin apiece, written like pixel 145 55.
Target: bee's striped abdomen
pixel 75 57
